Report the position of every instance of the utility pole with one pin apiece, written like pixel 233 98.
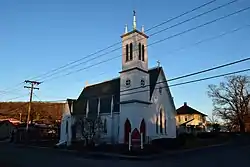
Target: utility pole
pixel 20 117
pixel 32 87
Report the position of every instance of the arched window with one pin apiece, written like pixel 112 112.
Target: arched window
pixel 131 51
pixel 105 126
pixel 143 129
pixel 67 126
pixel 127 57
pixel 156 125
pixel 127 129
pixel 139 51
pixel 161 123
pixel 143 50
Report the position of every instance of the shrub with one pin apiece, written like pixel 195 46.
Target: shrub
pixel 207 135
pixel 169 143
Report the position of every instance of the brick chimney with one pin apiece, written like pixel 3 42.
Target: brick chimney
pixel 185 103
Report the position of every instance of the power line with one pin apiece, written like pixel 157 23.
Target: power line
pixel 106 48
pixel 37 97
pixel 211 38
pixel 202 25
pixel 175 25
pixel 156 42
pixel 177 84
pixel 192 74
pixel 183 14
pixel 168 27
pixel 19 107
pixel 199 42
pixel 46 101
pixel 10 88
pixel 13 91
pixel 16 97
pixel 194 17
pixel 193 81
pixel 195 73
pixel 203 5
pixel 194 44
pixel 212 77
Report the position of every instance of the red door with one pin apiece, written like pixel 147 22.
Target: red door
pixel 135 138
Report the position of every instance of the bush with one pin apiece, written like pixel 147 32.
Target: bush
pixel 170 143
pixel 203 135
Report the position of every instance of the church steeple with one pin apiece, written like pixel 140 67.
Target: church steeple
pixel 134 72
pixel 134 20
pixel 134 51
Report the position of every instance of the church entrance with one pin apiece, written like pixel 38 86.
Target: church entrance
pixel 127 130
pixel 135 138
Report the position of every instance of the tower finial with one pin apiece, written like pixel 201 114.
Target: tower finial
pixel 142 29
pixel 126 29
pixel 134 20
pixel 158 63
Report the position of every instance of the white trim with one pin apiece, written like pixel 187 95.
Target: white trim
pixel 167 89
pixel 108 114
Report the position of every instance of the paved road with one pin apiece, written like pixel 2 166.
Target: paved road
pixel 230 156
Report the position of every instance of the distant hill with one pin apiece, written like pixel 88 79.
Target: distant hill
pixel 41 111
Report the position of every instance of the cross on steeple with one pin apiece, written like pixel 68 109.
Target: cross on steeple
pixel 158 63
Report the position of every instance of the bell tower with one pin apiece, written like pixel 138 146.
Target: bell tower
pixel 134 81
pixel 134 75
pixel 134 50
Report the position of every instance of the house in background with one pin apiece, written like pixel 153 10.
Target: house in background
pixel 190 119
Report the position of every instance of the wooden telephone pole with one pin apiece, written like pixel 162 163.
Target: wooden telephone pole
pixel 32 87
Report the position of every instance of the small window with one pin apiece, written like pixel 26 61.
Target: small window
pixel 142 82
pixel 139 51
pixel 127 56
pixel 131 51
pixel 160 90
pixel 143 50
pixel 128 82
pixel 186 118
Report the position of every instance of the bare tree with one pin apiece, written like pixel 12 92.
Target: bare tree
pixel 213 119
pixel 231 100
pixel 90 129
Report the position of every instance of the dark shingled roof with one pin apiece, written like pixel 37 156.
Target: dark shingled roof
pixel 105 90
pixel 185 109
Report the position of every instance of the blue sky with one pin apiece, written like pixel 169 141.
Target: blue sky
pixel 38 36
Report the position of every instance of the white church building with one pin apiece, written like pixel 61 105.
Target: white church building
pixel 136 106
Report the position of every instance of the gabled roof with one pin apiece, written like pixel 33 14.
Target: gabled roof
pixel 105 91
pixel 185 109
